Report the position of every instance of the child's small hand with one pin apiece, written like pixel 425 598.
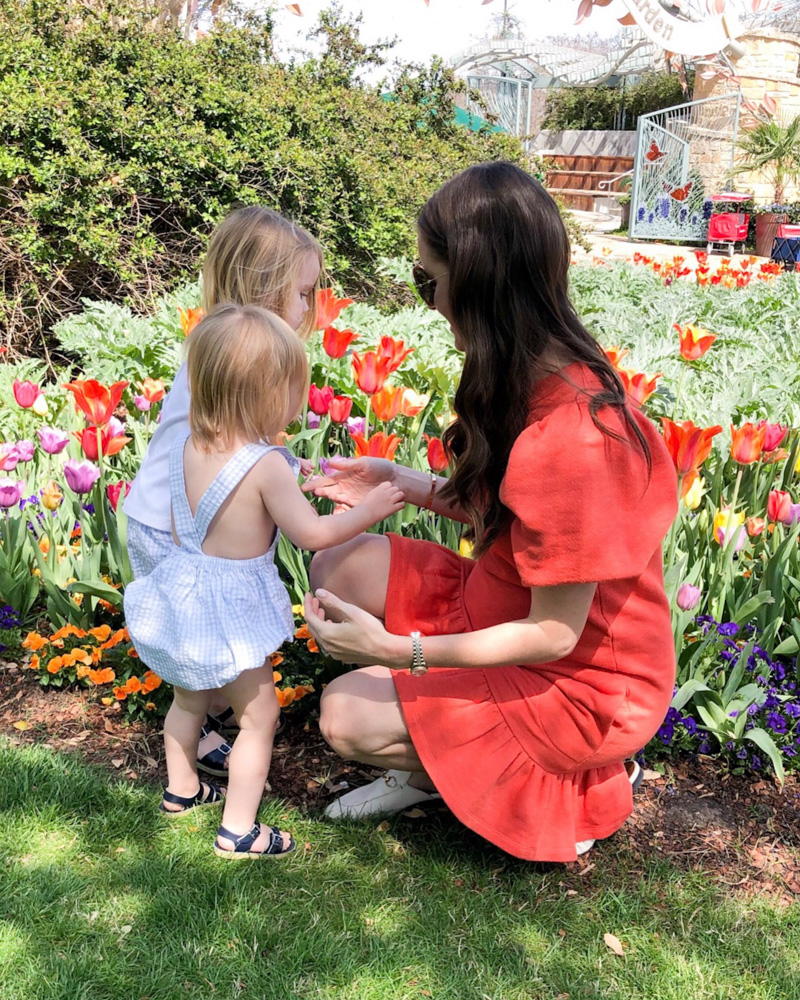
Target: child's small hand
pixel 383 501
pixel 306 467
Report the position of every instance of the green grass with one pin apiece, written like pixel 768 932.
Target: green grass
pixel 103 899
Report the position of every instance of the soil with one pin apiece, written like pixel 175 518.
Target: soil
pixel 744 832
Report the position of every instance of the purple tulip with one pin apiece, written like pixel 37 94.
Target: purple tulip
pixel 9 457
pixel 356 425
pixel 688 597
pixel 325 466
pixel 142 403
pixel 312 420
pixel 81 476
pixel 11 491
pixel 116 428
pixel 25 448
pixel 53 440
pixel 793 516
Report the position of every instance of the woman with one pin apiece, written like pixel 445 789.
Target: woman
pixel 550 653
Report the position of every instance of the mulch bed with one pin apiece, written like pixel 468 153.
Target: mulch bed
pixel 742 831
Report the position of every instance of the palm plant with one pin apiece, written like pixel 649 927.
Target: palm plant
pixel 774 148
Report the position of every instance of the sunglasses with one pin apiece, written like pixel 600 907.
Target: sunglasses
pixel 425 284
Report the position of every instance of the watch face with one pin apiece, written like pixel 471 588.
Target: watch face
pixel 419 671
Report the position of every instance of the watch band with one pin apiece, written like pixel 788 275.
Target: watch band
pixel 418 666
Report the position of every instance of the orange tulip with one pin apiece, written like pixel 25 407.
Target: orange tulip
pixel 370 371
pixel 615 355
pixel 329 307
pixel 153 390
pixel 336 342
pixel 694 341
pixel 755 526
pixel 747 443
pixel 437 456
pixel 386 403
pixel 689 446
pixel 394 351
pixel 341 407
pixel 97 401
pixel 638 386
pixel 380 445
pixel 189 319
pixel 413 403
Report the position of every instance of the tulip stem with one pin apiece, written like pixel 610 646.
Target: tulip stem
pixel 728 544
pixel 366 418
pixel 673 535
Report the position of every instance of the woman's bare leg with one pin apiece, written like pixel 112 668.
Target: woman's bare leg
pixel 356 572
pixel 362 719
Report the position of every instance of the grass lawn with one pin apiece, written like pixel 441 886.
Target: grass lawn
pixel 103 899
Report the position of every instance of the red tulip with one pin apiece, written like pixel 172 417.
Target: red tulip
pixel 638 386
pixel 394 351
pixel 773 435
pixel 370 372
pixel 319 400
pixel 779 505
pixel 747 443
pixel 694 341
pixel 110 443
pixel 340 409
pixel 113 491
pixel 329 307
pixel 386 403
pixel 437 456
pixel 97 401
pixel 688 445
pixel 380 445
pixel 26 393
pixel 336 341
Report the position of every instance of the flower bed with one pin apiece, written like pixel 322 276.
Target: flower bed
pixel 710 353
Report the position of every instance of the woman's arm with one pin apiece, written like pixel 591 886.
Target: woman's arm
pixel 352 479
pixel 298 520
pixel 554 624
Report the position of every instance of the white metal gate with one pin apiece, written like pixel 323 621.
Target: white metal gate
pixel 684 155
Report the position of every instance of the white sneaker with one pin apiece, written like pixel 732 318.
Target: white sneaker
pixel 388 794
pixel 635 776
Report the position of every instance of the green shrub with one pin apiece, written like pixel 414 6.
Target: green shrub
pixel 121 146
pixel 599 108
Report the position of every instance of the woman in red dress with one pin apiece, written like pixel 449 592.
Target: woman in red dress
pixel 547 659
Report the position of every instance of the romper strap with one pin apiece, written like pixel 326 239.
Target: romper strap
pixel 228 479
pixel 182 518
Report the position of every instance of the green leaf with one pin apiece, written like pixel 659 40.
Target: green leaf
pixel 765 742
pixel 96 588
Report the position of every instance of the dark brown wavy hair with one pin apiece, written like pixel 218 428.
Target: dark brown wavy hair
pixel 507 254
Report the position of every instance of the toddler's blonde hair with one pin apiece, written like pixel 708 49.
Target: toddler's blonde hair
pixel 255 257
pixel 247 372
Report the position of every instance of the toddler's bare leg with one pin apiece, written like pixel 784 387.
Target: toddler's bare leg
pixel 181 734
pixel 252 696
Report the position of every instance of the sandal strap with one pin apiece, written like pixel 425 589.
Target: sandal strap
pixel 223 718
pixel 214 795
pixel 242 844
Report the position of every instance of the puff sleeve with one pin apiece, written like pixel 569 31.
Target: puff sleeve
pixel 586 509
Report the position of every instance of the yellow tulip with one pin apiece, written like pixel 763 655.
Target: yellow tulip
pixel 695 494
pixel 724 521
pixel 52 495
pixel 465 548
pixel 40 406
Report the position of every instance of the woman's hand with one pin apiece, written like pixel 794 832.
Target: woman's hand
pixel 351 480
pixel 352 635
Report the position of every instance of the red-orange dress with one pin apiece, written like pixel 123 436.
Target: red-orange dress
pixel 530 756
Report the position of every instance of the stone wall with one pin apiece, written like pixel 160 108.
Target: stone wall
pixel 771 66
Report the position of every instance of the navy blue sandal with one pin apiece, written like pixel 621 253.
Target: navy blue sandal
pixel 242 844
pixel 203 798
pixel 224 723
pixel 214 761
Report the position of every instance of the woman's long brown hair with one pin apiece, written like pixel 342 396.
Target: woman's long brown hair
pixel 507 254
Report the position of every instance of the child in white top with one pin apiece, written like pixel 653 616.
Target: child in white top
pixel 209 615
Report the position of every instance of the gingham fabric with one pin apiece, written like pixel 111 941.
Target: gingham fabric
pixel 199 621
pixel 147 547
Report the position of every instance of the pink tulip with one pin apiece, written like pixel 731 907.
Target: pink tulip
pixel 26 393
pixel 312 420
pixel 688 597
pixel 25 448
pixel 142 403
pixel 320 399
pixel 81 476
pixel 722 534
pixel 11 491
pixel 792 515
pixel 778 504
pixel 773 435
pixel 9 457
pixel 356 425
pixel 113 491
pixel 52 440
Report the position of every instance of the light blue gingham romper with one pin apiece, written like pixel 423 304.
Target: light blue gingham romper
pixel 199 621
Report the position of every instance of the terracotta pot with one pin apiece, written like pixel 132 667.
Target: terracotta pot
pixel 766 230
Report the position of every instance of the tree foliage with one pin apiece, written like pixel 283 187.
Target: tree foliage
pixel 600 108
pixel 122 145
